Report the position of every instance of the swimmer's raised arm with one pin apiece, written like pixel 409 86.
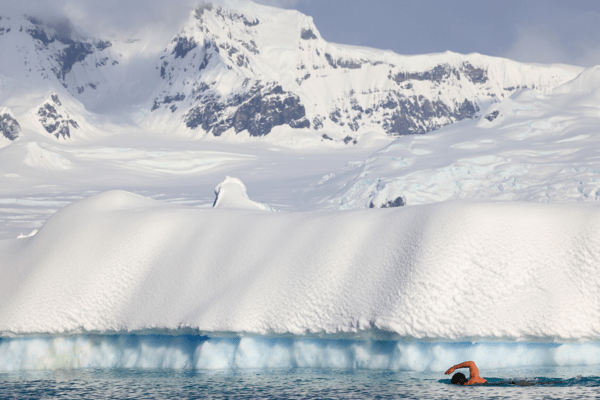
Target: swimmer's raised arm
pixel 473 372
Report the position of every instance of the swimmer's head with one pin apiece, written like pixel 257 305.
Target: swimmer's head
pixel 459 379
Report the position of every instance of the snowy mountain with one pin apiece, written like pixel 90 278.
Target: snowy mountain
pixel 254 69
pixel 244 71
pixel 529 147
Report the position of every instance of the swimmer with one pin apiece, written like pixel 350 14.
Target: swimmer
pixel 461 379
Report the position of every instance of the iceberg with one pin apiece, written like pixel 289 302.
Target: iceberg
pixel 238 353
pixel 118 263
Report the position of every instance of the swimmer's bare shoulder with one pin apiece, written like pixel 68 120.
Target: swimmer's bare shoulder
pixel 474 377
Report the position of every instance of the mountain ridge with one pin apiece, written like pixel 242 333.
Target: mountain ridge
pixel 249 70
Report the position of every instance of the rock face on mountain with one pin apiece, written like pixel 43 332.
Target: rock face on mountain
pixel 53 122
pixel 249 70
pixel 64 52
pixel 9 127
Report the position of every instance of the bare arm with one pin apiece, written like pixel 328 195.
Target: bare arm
pixel 473 372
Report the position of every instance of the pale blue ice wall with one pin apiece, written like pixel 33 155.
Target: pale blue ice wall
pixel 201 352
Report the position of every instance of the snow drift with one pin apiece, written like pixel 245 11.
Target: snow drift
pixel 120 262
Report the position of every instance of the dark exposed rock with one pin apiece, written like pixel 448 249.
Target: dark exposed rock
pixel 300 80
pixel 330 60
pixel 391 104
pixel 350 64
pixel 349 139
pixel 9 127
pixel 307 34
pixel 38 33
pixel 492 116
pixel 336 117
pixel 203 65
pixel 441 72
pixel 399 202
pixel 167 100
pixel 356 107
pixel 414 115
pixel 48 110
pixel 103 45
pixel 183 46
pixel 75 52
pixel 163 70
pixel 258 110
pixel 55 99
pixel 247 22
pixel 317 123
pixel 252 47
pixel 54 122
pixel 242 61
pixel 300 123
pixel 436 75
pixel 476 75
pixel 326 137
pixel 102 62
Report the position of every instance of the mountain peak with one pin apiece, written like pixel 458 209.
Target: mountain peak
pixel 249 69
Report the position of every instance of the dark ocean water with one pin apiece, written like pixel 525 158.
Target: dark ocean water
pixel 532 383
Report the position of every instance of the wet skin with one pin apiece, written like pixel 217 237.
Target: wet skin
pixel 474 377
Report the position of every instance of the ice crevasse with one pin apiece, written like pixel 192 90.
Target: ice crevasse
pixel 119 262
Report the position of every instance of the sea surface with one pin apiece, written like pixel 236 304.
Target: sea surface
pixel 309 383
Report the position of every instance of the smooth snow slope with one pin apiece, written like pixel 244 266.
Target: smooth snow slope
pixel 486 271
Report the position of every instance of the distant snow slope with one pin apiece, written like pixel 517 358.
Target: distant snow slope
pixel 493 271
pixel 531 146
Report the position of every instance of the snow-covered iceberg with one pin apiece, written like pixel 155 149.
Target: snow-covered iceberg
pixel 118 262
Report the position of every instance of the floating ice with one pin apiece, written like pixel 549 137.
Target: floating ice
pixel 201 352
pixel 449 271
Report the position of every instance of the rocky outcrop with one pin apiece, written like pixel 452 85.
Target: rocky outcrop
pixel 65 51
pixel 257 110
pixel 53 121
pixel 492 116
pixel 442 72
pixel 9 127
pixel 398 202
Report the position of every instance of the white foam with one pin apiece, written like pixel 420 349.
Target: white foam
pixel 198 352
